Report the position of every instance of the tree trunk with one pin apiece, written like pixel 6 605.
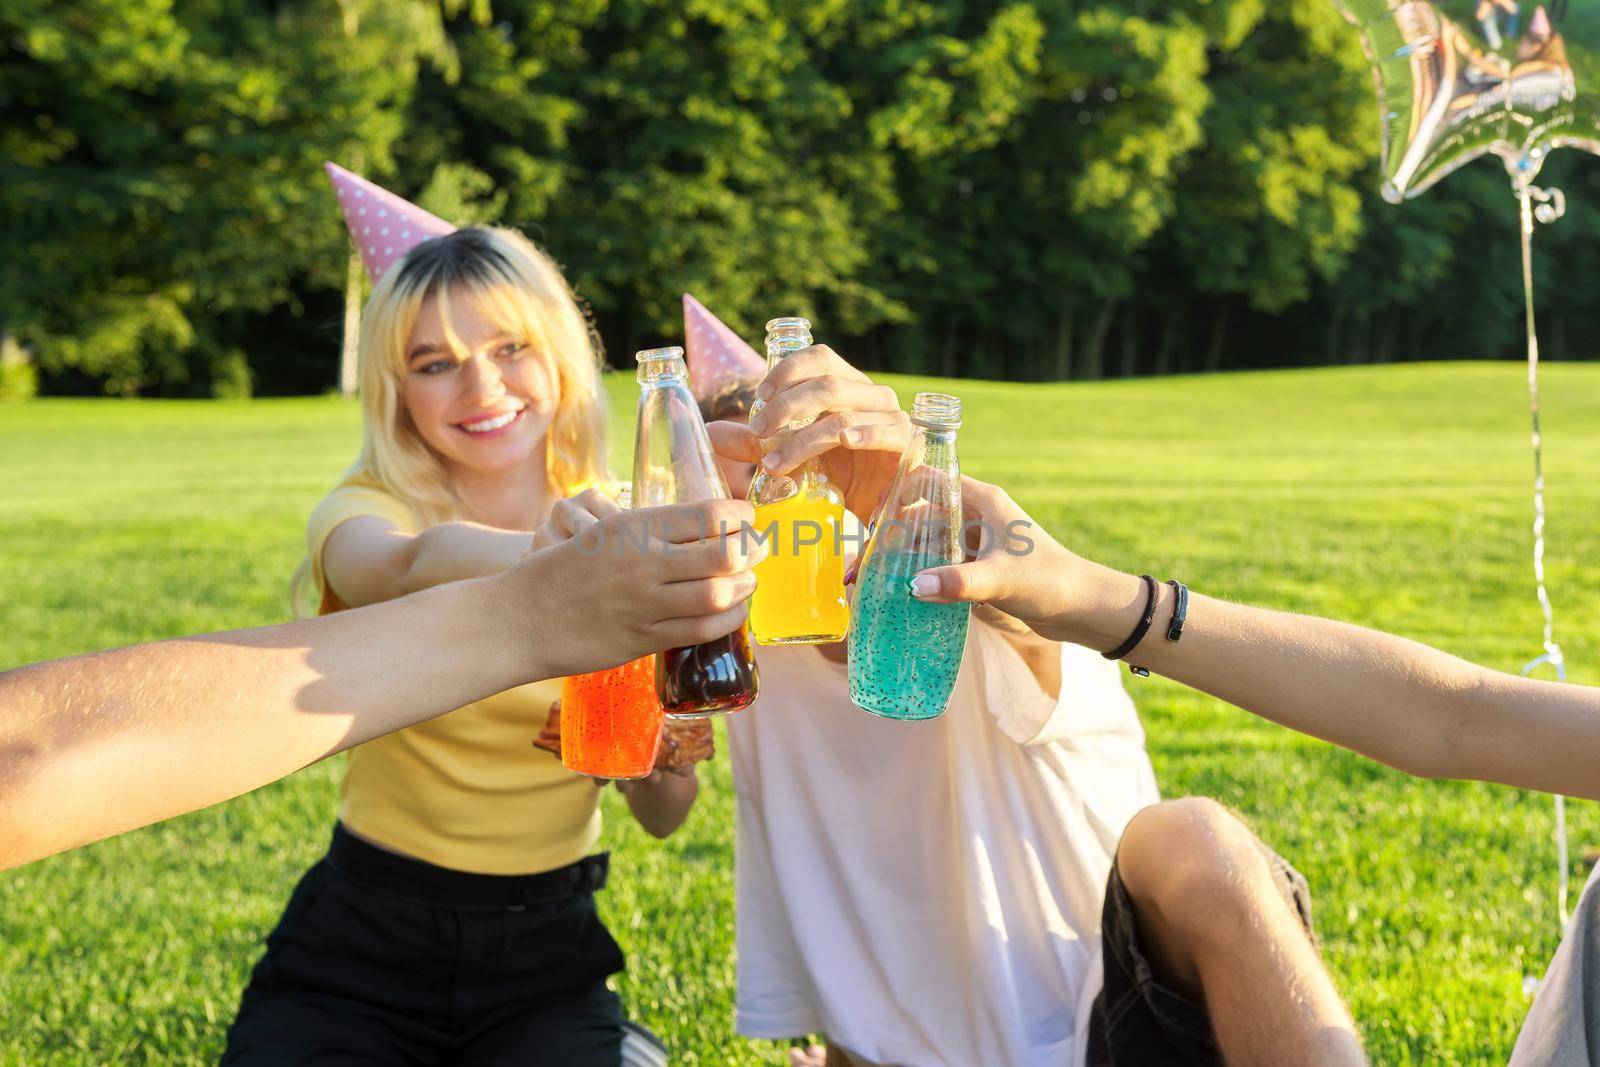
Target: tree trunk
pixel 1356 340
pixel 1219 336
pixel 1130 341
pixel 352 325
pixel 349 351
pixel 947 354
pixel 1169 337
pixel 1094 349
pixel 1064 332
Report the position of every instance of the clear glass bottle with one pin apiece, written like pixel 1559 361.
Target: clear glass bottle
pixel 673 464
pixel 904 653
pixel 799 597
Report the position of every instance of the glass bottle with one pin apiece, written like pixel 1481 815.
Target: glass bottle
pixel 673 464
pixel 611 720
pixel 904 653
pixel 799 597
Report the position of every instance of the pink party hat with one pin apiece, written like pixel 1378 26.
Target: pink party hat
pixel 383 226
pixel 716 355
pixel 1539 26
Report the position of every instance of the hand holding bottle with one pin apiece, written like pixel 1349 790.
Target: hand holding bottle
pixel 1023 571
pixel 856 427
pixel 640 581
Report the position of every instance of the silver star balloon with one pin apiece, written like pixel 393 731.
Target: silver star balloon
pixel 1460 79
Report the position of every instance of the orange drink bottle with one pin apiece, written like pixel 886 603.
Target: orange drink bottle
pixel 611 721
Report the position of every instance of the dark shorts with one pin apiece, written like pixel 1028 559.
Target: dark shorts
pixel 384 959
pixel 1138 1022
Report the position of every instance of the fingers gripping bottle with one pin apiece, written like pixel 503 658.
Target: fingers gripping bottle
pixel 673 464
pixel 904 653
pixel 799 597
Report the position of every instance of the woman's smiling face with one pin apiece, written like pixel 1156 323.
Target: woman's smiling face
pixel 480 396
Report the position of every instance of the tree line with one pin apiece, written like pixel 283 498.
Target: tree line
pixel 1019 190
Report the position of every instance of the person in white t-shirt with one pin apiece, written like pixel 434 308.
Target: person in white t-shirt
pixel 935 893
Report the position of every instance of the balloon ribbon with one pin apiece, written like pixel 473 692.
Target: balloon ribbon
pixel 1551 206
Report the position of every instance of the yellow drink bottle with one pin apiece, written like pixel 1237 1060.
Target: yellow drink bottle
pixel 799 597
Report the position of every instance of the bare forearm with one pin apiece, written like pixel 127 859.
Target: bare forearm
pixel 1403 703
pixel 458 550
pixel 661 802
pixel 1400 702
pixel 102 743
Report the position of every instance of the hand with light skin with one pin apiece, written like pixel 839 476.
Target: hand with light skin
pixel 858 430
pixel 1397 701
pixel 570 517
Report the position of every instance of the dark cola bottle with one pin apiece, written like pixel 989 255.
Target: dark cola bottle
pixel 673 464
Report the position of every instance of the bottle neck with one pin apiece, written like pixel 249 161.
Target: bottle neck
pixel 662 372
pixel 785 336
pixel 780 347
pixel 938 445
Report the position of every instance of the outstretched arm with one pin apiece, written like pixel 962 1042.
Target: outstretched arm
pixel 102 743
pixel 1400 702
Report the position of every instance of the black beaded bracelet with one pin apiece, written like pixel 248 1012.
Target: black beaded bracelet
pixel 1139 631
pixel 1180 611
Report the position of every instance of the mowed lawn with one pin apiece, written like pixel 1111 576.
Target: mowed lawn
pixel 1394 496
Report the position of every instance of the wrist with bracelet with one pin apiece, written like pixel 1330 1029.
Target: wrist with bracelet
pixel 1174 629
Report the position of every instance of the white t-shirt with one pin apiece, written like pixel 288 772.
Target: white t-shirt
pixel 1563 1026
pixel 930 892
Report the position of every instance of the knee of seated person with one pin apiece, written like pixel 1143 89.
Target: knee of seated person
pixel 1191 857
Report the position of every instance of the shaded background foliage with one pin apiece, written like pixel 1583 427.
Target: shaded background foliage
pixel 1012 190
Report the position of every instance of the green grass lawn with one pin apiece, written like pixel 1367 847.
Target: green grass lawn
pixel 1394 496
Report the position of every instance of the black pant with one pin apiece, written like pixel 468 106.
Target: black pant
pixel 380 958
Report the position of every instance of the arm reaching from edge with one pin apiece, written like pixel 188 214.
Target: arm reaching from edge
pixel 1397 701
pixel 106 742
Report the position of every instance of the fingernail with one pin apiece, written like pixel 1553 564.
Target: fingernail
pixel 772 461
pixel 764 390
pixel 758 425
pixel 854 437
pixel 925 585
pixel 850 572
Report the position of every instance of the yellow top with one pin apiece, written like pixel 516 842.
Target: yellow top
pixel 467 790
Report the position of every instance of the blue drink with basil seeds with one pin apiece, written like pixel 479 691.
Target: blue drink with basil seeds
pixel 904 653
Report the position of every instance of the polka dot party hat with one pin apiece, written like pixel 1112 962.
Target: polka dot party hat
pixel 383 226
pixel 715 354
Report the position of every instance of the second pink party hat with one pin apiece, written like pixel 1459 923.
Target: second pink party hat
pixel 384 226
pixel 716 355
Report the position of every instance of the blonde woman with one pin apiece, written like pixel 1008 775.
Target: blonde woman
pixel 453 918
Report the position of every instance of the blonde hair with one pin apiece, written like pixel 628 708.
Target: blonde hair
pixel 518 286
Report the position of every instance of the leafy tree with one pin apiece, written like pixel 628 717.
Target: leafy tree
pixel 161 172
